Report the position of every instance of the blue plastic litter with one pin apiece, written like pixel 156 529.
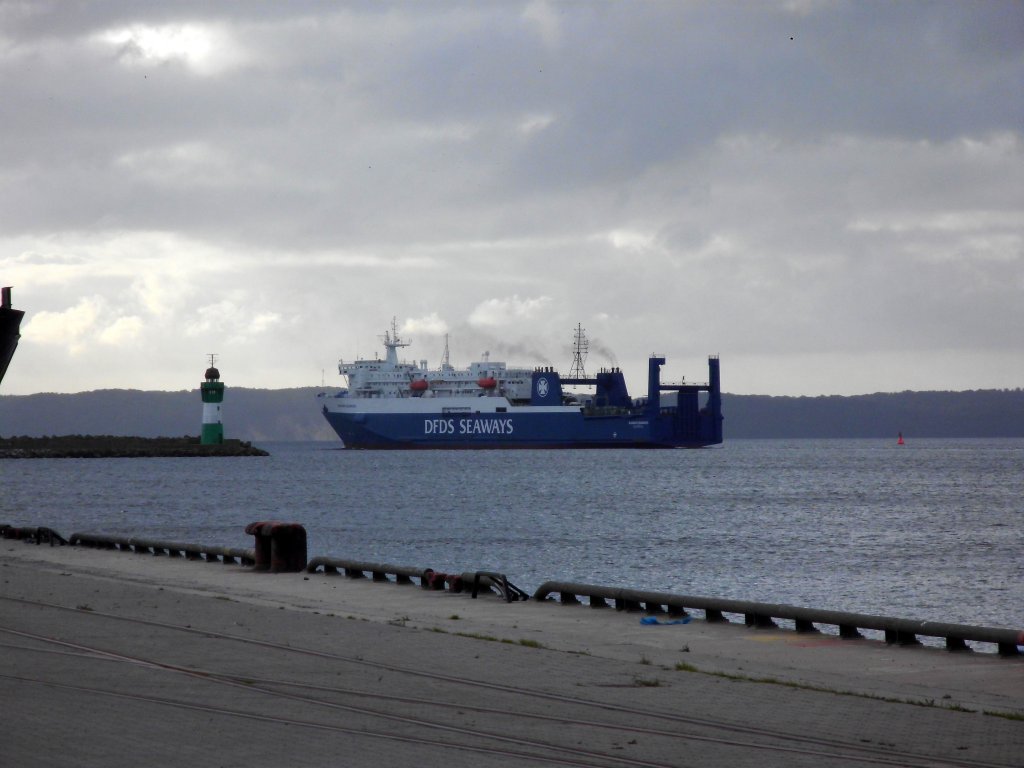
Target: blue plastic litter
pixel 655 620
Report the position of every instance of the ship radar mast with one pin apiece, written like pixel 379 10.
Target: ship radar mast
pixel 579 353
pixel 392 343
pixel 445 363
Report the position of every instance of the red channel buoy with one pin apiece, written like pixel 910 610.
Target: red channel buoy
pixel 900 440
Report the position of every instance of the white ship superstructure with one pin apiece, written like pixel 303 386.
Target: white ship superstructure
pixel 390 378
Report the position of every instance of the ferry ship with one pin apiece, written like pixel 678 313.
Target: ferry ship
pixel 393 404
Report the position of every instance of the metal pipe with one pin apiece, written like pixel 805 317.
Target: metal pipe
pixel 226 555
pixel 356 569
pixel 897 630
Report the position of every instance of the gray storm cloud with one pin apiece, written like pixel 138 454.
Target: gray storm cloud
pixel 825 194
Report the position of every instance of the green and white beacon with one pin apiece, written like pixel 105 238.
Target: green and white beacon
pixel 212 391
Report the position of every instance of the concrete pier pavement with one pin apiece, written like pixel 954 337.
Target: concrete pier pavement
pixel 123 659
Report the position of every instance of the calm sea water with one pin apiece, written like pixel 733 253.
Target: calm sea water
pixel 931 530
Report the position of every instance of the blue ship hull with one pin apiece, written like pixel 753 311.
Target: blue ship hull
pixel 510 430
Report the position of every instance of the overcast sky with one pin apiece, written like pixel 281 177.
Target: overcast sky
pixel 828 195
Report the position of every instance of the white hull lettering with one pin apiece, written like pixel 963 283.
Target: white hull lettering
pixel 439 427
pixel 467 426
pixel 485 426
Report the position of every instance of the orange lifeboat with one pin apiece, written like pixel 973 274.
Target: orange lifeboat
pixel 487 382
pixel 419 385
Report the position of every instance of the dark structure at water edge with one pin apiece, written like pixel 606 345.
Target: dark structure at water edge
pixel 108 446
pixel 10 330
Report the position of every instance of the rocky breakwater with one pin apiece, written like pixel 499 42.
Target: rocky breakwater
pixel 109 446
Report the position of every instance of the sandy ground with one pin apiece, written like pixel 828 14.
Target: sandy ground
pixel 115 658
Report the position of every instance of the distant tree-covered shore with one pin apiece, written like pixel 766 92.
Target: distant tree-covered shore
pixel 294 414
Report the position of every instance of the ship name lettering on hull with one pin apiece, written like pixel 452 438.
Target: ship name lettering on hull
pixel 467 426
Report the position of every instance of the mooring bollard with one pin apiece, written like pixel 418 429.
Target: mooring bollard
pixel 280 547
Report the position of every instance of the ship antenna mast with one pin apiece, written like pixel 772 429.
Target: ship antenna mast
pixel 579 353
pixel 445 364
pixel 392 343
